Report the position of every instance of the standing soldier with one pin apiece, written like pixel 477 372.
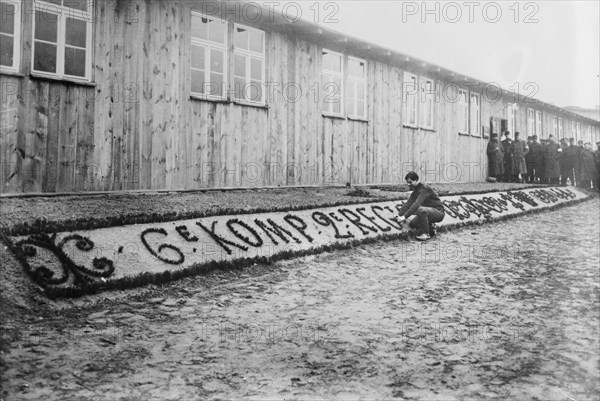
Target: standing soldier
pixel 542 162
pixel 587 171
pixel 580 148
pixel 519 149
pixel 529 161
pixel 508 158
pixel 571 155
pixel 563 161
pixel 537 155
pixel 495 152
pixel 552 163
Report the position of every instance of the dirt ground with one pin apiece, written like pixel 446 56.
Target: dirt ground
pixel 500 311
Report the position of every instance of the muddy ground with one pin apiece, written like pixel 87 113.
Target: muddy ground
pixel 501 311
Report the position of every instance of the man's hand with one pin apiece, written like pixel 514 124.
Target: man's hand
pixel 402 219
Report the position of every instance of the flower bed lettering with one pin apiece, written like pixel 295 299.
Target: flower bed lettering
pixel 72 263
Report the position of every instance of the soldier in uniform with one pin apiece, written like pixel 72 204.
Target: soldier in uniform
pixel 536 155
pixel 580 148
pixel 519 149
pixel 563 163
pixel 587 171
pixel 507 145
pixel 571 158
pixel 552 161
pixel 543 178
pixel 495 152
pixel 529 161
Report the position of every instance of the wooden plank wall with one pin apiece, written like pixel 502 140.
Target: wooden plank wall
pixel 136 127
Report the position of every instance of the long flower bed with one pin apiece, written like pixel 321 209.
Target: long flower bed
pixel 77 260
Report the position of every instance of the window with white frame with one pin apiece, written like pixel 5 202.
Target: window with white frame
pixel 538 123
pixel 332 83
pixel 475 115
pixel 249 64
pixel 62 39
pixel 357 88
pixel 10 35
pixel 463 111
pixel 208 56
pixel 512 117
pixel 427 107
pixel 530 122
pixel 410 89
pixel 554 127
pixel 561 128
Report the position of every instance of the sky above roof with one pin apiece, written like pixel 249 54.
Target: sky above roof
pixel 549 49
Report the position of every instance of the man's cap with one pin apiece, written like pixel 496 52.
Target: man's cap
pixel 535 137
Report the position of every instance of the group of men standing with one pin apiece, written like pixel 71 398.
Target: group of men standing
pixel 545 162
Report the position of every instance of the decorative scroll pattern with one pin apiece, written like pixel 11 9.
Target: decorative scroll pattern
pixel 70 272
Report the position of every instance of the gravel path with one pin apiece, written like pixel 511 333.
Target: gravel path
pixel 500 311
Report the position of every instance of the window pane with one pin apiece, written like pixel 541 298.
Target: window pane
pixel 326 60
pixel 360 109
pixel 241 38
pixel 352 67
pixel 6 50
pixel 351 86
pixel 199 27
pixel 198 81
pixel 332 62
pixel 240 88
pixel 256 41
pixel 337 107
pixel 46 26
pixel 76 4
pixel 216 60
pixel 361 91
pixel 74 61
pixel 216 84
pixel 57 2
pixel 430 116
pixel 351 107
pixel 216 31
pixel 356 68
pixel 256 69
pixel 361 69
pixel 44 58
pixel 198 57
pixel 337 63
pixel 255 91
pixel 76 32
pixel 337 84
pixel 8 18
pixel 239 69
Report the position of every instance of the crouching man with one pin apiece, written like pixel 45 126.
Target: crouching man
pixel 425 204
